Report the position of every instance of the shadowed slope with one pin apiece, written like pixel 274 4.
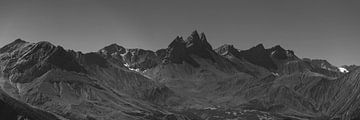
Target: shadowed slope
pixel 11 109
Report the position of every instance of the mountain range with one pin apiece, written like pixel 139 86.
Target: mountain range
pixel 187 80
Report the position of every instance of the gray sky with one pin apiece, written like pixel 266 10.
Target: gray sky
pixel 325 29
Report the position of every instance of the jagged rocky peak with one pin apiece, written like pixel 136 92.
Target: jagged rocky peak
pixel 277 47
pixel 258 47
pixel 180 50
pixel 176 51
pixel 280 53
pixel 257 50
pixel 113 48
pixel 260 56
pixel 45 45
pixel 199 47
pixel 195 41
pixel 42 50
pixel 227 49
pixel 194 37
pixel 202 36
pixel 13 45
pixel 177 42
pixel 19 40
pixel 141 59
pixel 205 42
pixel 36 59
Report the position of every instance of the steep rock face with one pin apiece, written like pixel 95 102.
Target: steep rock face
pixel 135 59
pixel 268 58
pixel 113 51
pixel 280 53
pixel 81 86
pixel 228 50
pixel 10 53
pixel 262 59
pixel 177 53
pixel 233 55
pixel 258 55
pixel 180 50
pixel 199 45
pixel 113 48
pixel 141 59
pixel 35 59
pixel 13 46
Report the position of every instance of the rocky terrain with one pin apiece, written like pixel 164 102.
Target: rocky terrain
pixel 187 80
pixel 80 86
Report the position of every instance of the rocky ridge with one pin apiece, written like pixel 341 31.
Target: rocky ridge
pixel 79 85
pixel 187 80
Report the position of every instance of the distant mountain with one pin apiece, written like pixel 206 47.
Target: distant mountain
pixel 81 86
pixel 252 77
pixel 187 80
pixel 179 50
pixel 268 58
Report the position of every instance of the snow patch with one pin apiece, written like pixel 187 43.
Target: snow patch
pixel 343 70
pixel 210 108
pixel 127 65
pixel 276 74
